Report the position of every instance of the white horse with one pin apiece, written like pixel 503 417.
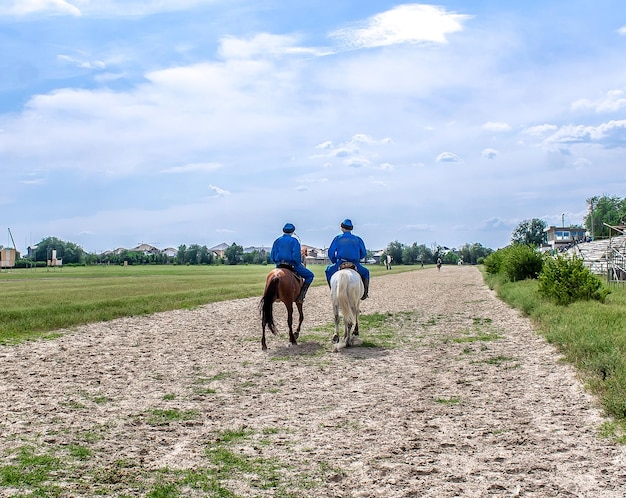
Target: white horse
pixel 346 289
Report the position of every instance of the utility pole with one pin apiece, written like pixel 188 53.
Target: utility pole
pixel 592 220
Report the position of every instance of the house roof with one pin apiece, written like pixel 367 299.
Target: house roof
pixel 221 247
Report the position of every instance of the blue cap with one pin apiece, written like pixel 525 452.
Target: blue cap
pixel 289 228
pixel 347 224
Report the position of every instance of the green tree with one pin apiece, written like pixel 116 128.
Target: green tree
pixel 180 255
pixel 609 210
pixel 234 254
pixel 529 233
pixel 67 251
pixel 395 250
pixel 450 258
pixel 425 254
pixel 474 253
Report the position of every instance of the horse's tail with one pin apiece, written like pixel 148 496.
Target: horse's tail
pixel 344 300
pixel 266 306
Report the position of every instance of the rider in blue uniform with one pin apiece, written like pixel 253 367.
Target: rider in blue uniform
pixel 286 249
pixel 348 247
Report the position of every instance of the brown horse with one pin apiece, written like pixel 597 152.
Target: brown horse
pixel 282 284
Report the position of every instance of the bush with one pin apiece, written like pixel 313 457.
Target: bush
pixel 493 262
pixel 522 262
pixel 516 262
pixel 565 280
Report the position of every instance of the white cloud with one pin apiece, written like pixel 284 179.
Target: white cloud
pixel 100 8
pixel 540 129
pixel 614 100
pixel 356 163
pixel 622 31
pixel 27 7
pixel 448 157
pixel 219 192
pixel 324 145
pixel 264 45
pixel 611 134
pixel 82 63
pixel 409 23
pixel 490 153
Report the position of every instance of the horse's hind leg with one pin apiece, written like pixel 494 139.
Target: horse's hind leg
pixel 292 337
pixel 336 336
pixel 263 344
pixel 300 319
pixel 348 334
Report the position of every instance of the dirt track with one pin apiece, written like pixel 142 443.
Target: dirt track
pixel 465 400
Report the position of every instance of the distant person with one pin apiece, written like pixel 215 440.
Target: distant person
pixel 348 247
pixel 286 250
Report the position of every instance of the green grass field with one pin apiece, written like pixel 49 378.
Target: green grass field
pixel 35 302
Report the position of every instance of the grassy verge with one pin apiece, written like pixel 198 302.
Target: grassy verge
pixel 591 336
pixel 36 302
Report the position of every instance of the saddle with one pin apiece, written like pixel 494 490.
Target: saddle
pixel 287 266
pixel 347 265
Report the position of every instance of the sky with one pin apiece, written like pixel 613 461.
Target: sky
pixel 208 121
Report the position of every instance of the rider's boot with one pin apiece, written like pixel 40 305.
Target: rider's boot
pixel 366 285
pixel 305 287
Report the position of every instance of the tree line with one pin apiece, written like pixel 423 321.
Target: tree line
pixel 603 212
pixel 421 254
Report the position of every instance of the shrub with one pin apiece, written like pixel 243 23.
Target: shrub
pixel 565 280
pixel 521 262
pixel 493 262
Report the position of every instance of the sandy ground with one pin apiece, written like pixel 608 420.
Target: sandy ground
pixel 464 400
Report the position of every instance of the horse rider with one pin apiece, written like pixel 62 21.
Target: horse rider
pixel 286 250
pixel 348 247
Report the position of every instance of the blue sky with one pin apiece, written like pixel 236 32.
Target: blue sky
pixel 210 121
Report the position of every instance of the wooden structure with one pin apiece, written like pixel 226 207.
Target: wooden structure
pixel 7 258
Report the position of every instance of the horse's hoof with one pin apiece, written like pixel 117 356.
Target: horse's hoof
pixel 336 339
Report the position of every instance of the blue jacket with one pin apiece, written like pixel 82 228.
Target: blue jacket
pixel 286 249
pixel 347 247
